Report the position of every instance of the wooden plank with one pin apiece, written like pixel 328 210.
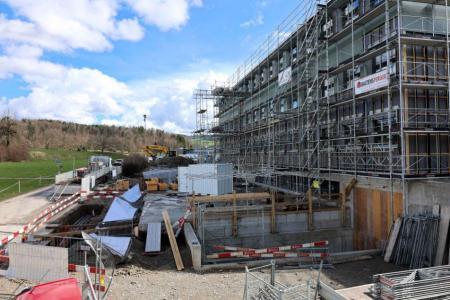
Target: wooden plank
pixel 194 212
pixel 234 220
pixel 310 209
pixel 230 197
pixel 273 223
pixel 375 211
pixel 350 185
pixel 443 234
pixel 398 205
pixel 392 239
pixel 173 241
pixel 347 190
pixel 343 208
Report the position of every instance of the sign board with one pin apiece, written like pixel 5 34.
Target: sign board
pixel 371 82
pixel 285 76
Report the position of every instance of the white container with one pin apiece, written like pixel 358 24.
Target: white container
pixel 206 179
pixel 182 179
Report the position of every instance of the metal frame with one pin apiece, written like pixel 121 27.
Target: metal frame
pixel 310 140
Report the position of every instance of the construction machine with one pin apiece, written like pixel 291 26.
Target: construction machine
pixel 154 151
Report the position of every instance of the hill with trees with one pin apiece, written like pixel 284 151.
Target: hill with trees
pixel 18 136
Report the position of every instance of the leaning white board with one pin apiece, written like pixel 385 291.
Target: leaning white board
pixel 153 242
pixel 392 240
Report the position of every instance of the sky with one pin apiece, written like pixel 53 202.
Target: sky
pixel 112 61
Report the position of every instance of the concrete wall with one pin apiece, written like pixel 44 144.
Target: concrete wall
pixel 422 195
pixel 254 231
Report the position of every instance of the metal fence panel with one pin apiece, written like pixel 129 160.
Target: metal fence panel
pixel 37 263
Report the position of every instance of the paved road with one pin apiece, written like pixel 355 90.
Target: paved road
pixel 18 211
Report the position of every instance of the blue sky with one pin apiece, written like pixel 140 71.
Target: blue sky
pixel 110 61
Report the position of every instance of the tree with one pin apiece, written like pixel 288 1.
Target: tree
pixel 7 129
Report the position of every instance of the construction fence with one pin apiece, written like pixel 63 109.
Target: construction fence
pixel 39 259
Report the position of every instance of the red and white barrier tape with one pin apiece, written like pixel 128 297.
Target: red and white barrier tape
pixel 274 249
pixel 180 222
pixel 43 217
pixel 92 270
pixel 51 215
pixel 250 254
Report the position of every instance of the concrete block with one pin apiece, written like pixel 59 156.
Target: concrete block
pixel 194 246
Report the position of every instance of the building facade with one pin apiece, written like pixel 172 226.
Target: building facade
pixel 342 89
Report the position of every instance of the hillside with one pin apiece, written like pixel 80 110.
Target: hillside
pixel 49 134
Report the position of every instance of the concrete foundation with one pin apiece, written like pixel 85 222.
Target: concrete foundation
pixel 424 195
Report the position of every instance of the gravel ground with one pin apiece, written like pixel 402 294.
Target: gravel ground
pixel 155 277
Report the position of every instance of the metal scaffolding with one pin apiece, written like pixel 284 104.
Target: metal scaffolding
pixel 354 87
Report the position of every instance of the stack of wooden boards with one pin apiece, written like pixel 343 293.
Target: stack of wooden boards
pixel 155 184
pixel 122 185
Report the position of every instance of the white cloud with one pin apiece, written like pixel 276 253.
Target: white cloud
pixel 128 29
pixel 78 95
pixel 30 68
pixel 166 14
pixel 66 25
pixel 87 95
pixel 256 21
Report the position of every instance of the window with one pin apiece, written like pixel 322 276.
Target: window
pixel 271 107
pixel 282 104
pixel 263 113
pixel 294 54
pixel 294 103
pixel 255 115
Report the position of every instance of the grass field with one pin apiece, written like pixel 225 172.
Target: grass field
pixel 42 163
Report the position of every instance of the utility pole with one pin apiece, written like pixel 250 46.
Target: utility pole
pixel 145 122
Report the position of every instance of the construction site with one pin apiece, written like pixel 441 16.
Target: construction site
pixel 321 170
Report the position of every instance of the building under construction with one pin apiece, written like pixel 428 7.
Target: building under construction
pixel 345 106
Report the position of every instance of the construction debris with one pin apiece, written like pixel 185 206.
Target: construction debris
pixel 264 285
pixel 429 283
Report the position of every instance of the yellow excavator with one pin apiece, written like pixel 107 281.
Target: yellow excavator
pixel 155 151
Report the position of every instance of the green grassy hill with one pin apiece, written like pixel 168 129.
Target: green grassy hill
pixel 42 163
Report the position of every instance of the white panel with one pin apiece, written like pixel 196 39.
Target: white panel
pixel 37 263
pixel 207 179
pixel 93 178
pixel 182 180
pixel 86 184
pixel 285 76
pixel 153 242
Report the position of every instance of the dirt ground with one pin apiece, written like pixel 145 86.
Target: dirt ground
pixel 155 277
